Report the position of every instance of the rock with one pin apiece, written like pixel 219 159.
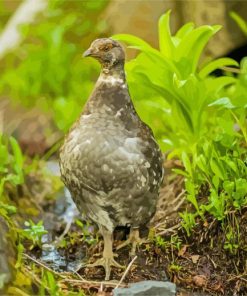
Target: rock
pixel 147 288
pixel 7 256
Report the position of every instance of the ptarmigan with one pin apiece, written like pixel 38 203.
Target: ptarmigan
pixel 110 161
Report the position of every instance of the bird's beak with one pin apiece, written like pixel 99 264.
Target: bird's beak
pixel 87 53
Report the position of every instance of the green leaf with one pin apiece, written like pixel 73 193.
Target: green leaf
pixel 164 91
pixel 231 164
pixel 241 186
pixel 223 102
pixel 4 159
pixel 202 163
pixel 216 64
pixel 192 45
pixel 186 163
pixel 165 39
pixel 182 114
pixel 180 172
pixel 179 83
pixel 184 30
pixel 240 21
pixel 138 43
pixel 216 168
pixel 18 159
pixel 215 181
pixel 132 40
pixel 217 84
pixel 228 187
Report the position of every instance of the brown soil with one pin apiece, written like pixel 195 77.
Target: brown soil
pixel 199 263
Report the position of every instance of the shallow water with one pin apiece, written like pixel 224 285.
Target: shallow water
pixel 63 212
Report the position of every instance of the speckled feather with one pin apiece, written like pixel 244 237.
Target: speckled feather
pixel 110 160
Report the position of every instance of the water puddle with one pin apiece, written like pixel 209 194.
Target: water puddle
pixel 60 215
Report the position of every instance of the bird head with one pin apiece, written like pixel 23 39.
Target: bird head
pixel 107 51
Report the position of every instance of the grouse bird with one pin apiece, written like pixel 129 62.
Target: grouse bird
pixel 110 161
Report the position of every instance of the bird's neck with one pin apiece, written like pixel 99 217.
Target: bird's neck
pixel 113 76
pixel 110 93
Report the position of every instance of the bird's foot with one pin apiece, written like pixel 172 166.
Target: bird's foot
pixel 134 239
pixel 106 262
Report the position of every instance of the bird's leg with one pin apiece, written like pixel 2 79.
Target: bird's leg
pixel 134 239
pixel 108 257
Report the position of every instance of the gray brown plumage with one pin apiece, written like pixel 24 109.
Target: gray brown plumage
pixel 110 161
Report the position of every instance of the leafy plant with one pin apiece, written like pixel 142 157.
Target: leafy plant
pixel 87 231
pixel 188 221
pixel 34 232
pixel 47 70
pixel 173 74
pixel 11 164
pixel 174 267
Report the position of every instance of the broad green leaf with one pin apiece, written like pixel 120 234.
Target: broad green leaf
pixel 232 165
pixel 165 41
pixel 182 114
pixel 4 159
pixel 192 198
pixel 223 102
pixel 241 186
pixel 132 40
pixel 216 64
pixel 216 168
pixel 214 85
pixel 17 152
pixel 18 161
pixel 138 43
pixel 202 163
pixel 184 30
pixel 202 41
pixel 229 187
pixel 186 163
pixel 191 46
pixel 215 181
pixel 177 82
pixel 180 172
pixel 166 92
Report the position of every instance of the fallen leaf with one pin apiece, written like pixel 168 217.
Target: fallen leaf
pixel 182 251
pixel 218 287
pixel 195 258
pixel 200 280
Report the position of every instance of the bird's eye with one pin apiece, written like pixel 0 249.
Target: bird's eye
pixel 106 48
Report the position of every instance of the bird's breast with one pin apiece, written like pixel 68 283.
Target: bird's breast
pixel 110 153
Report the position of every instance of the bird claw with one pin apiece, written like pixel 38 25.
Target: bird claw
pixel 133 239
pixel 106 262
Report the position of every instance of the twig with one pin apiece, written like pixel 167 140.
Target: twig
pixel 212 261
pixel 240 277
pixel 81 281
pixel 169 229
pixel 101 287
pixel 105 283
pixel 66 230
pixel 181 202
pixel 231 69
pixel 126 271
pixel 43 265
pixel 79 276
